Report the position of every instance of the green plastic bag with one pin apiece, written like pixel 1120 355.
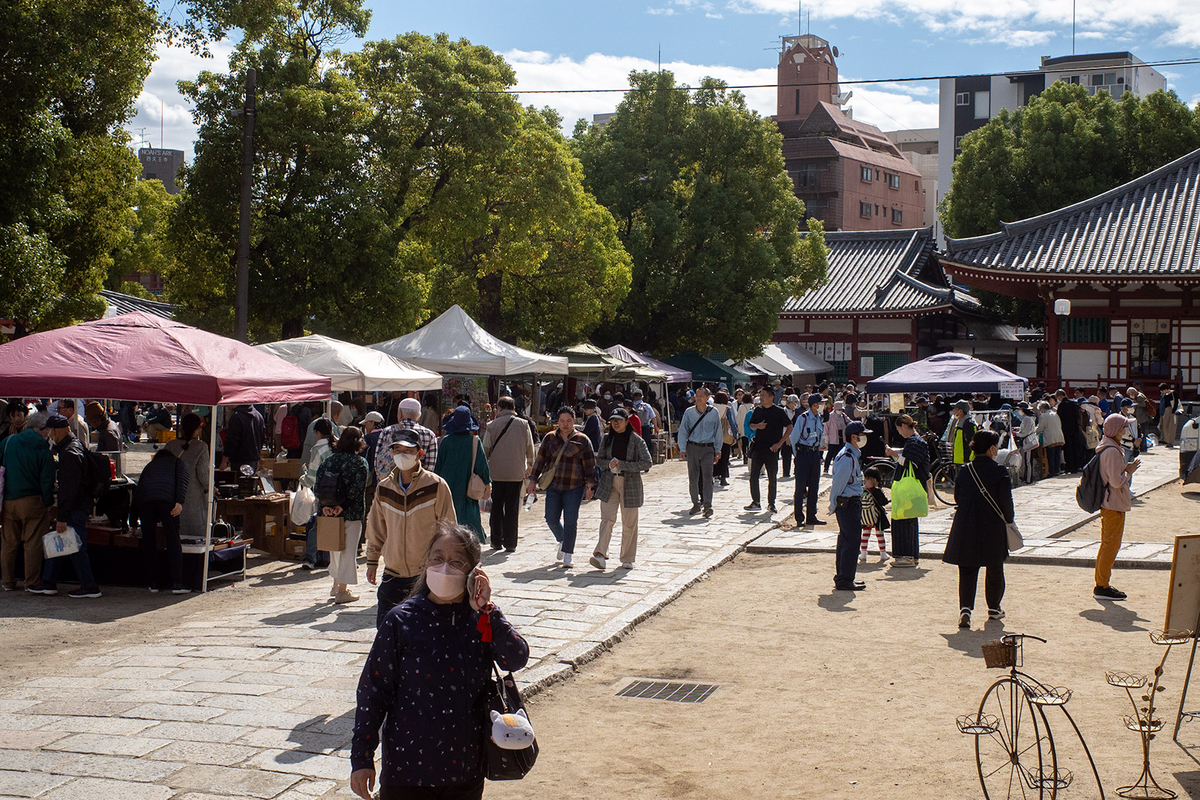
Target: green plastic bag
pixel 909 498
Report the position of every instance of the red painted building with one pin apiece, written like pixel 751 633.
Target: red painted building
pixel 1127 260
pixel 848 173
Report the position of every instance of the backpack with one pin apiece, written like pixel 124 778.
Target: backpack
pixel 643 411
pixel 289 437
pixel 97 473
pixel 328 488
pixel 727 435
pixel 1092 490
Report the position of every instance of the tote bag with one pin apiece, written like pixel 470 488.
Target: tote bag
pixel 909 498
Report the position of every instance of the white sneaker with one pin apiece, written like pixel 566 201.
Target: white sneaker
pixel 626 565
pixel 597 561
pixel 884 557
pixel 566 559
pixel 862 557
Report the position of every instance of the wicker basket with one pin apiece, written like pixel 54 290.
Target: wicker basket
pixel 998 655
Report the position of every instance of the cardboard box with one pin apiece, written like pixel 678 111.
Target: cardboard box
pixel 288 470
pixel 293 548
pixel 124 540
pixel 331 534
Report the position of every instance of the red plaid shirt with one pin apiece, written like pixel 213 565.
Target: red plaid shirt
pixel 577 465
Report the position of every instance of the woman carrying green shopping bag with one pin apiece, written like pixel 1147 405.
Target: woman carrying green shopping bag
pixel 912 494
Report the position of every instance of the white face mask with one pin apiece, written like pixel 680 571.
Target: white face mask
pixel 444 582
pixel 405 461
pixel 608 397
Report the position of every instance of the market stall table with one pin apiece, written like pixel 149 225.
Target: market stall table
pixel 254 512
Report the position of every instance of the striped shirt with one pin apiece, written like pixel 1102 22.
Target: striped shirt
pixel 384 463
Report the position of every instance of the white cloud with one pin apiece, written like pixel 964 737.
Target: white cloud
pixel 889 106
pixel 162 111
pixel 712 15
pixel 1018 23
pixel 665 12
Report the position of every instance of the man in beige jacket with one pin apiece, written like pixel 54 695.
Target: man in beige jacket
pixel 508 445
pixel 410 503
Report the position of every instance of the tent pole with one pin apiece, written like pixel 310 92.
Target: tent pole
pixel 212 480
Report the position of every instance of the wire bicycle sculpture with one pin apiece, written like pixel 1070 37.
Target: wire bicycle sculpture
pixel 1015 751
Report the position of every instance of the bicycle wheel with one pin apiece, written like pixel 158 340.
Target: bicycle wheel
pixel 1017 760
pixel 943 482
pixel 887 472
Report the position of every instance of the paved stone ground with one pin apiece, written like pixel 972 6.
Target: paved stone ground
pixel 259 703
pixel 1045 511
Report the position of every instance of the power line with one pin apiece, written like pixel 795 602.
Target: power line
pixel 1178 62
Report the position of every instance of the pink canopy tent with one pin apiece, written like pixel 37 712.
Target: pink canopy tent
pixel 142 357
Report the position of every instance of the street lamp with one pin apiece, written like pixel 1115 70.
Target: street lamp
pixel 1062 309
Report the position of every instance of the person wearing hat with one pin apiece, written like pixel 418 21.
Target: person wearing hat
pixel 74 507
pixel 808 443
pixel 622 458
pixel 508 443
pixel 28 495
pixel 700 440
pixel 921 414
pixel 593 428
pixel 460 456
pixel 408 413
pixel 410 503
pixel 845 502
pixel 962 429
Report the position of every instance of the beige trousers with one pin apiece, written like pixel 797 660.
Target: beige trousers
pixel 629 523
pixel 26 520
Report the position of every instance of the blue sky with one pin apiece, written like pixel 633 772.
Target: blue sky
pixel 560 45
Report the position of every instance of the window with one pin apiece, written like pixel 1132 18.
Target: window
pixel 962 99
pixel 797 101
pixel 864 209
pixel 894 181
pixel 865 174
pixel 881 363
pixel 916 186
pixel 1150 354
pixel 807 176
pixel 897 216
pixel 957 143
pixel 1072 79
pixel 1072 330
pixel 983 105
pixel 841 371
pixel 1098 80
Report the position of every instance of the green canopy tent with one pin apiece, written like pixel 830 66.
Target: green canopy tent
pixel 706 370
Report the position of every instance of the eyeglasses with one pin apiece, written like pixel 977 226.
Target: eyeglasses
pixel 456 564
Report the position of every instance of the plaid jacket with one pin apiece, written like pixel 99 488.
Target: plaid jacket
pixel 633 496
pixel 384 463
pixel 575 468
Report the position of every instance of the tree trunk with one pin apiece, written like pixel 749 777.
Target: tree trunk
pixel 293 328
pixel 490 294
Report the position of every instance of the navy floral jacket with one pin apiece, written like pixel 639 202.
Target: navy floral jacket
pixel 424 683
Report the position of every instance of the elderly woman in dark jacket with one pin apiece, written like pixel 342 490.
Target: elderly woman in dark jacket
pixel 622 458
pixel 979 533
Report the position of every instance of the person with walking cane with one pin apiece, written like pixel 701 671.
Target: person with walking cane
pixel 845 501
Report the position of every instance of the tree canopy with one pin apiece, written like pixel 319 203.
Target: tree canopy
pixel 1064 146
pixel 69 73
pixel 389 184
pixel 697 184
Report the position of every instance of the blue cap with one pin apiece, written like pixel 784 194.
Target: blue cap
pixel 815 398
pixel 1006 407
pixel 1125 401
pixel 856 429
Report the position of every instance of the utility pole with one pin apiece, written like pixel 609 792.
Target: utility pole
pixel 242 293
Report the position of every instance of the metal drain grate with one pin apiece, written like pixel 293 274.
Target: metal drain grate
pixel 674 691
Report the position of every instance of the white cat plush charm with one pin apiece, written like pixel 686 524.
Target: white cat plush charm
pixel 511 731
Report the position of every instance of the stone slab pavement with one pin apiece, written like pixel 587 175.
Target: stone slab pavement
pixel 1045 511
pixel 260 702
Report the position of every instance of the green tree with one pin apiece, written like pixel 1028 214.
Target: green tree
pixel 69 72
pixel 697 185
pixel 1064 146
pixel 143 246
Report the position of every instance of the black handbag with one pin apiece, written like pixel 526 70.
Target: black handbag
pixel 501 764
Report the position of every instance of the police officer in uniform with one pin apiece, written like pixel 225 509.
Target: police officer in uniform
pixel 845 501
pixel 808 444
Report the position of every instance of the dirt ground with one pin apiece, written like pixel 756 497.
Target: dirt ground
pixel 836 695
pixel 1157 516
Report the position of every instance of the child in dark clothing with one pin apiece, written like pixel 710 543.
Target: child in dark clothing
pixel 874 501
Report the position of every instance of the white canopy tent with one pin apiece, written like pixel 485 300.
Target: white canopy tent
pixel 456 344
pixel 798 356
pixel 352 367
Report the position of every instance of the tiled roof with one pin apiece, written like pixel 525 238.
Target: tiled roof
pixel 124 303
pixel 880 272
pixel 1147 228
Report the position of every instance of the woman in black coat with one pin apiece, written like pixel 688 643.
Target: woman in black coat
pixel 979 533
